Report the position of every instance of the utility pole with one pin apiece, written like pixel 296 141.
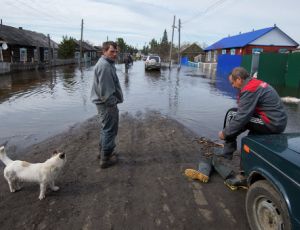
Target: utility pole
pixel 81 40
pixel 179 56
pixel 49 50
pixel 170 57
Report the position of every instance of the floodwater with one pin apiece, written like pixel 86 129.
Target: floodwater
pixel 38 104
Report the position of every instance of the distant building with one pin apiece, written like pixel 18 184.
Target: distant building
pixel 270 39
pixel 191 51
pixel 88 50
pixel 19 45
pixel 98 51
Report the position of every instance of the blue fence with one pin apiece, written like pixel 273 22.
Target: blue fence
pixel 184 60
pixel 227 62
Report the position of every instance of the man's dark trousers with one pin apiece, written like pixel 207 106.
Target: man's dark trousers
pixel 109 118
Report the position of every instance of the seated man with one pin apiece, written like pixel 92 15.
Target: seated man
pixel 259 110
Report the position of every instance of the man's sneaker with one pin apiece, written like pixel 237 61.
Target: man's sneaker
pixel 196 175
pixel 236 181
pixel 109 161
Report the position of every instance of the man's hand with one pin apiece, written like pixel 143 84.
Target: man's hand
pixel 221 135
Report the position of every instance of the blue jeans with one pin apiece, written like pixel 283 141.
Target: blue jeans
pixel 222 165
pixel 255 126
pixel 109 120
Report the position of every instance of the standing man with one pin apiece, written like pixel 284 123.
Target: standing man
pixel 106 94
pixel 259 110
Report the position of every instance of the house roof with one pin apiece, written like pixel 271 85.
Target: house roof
pixel 85 46
pixel 242 40
pixel 19 36
pixel 185 47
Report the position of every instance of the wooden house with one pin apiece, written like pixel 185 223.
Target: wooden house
pixel 191 51
pixel 20 45
pixel 98 51
pixel 88 51
pixel 271 39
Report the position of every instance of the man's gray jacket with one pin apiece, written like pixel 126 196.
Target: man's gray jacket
pixel 106 89
pixel 260 99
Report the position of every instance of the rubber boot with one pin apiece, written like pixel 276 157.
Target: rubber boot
pixel 108 161
pixel 204 169
pixel 236 181
pixel 229 148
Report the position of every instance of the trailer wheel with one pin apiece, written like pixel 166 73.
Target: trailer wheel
pixel 265 208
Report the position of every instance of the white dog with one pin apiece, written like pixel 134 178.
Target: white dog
pixel 42 173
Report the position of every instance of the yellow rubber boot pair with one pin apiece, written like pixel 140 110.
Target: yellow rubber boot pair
pixel 196 175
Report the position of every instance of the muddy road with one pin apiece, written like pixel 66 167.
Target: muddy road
pixel 146 190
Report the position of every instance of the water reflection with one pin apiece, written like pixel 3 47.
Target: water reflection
pixel 224 87
pixel 14 86
pixel 155 76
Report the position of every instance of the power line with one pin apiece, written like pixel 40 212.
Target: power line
pixel 208 9
pixel 36 10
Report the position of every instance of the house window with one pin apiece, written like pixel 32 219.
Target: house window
pixel 215 55
pixel 282 51
pixel 46 57
pixel 23 55
pixel 35 54
pixel 55 54
pixel 257 50
pixel 232 51
pixel 209 56
pixel 224 51
pixel 77 54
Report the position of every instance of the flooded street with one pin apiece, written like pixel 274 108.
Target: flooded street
pixel 38 104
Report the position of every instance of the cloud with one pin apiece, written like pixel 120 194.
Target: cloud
pixel 138 21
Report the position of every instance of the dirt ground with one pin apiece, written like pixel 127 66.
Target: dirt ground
pixel 145 190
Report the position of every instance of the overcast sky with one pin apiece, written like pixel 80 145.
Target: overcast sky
pixel 138 21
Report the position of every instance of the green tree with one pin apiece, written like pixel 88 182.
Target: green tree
pixel 66 48
pixel 125 48
pixel 164 46
pixel 145 50
pixel 154 46
pixel 121 45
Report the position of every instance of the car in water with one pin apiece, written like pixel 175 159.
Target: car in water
pixel 144 57
pixel 153 62
pixel 272 166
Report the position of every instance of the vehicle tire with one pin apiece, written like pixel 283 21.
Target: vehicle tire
pixel 265 208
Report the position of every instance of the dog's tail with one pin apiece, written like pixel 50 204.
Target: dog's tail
pixel 5 159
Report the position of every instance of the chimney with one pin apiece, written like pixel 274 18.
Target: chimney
pixel 274 25
pixel 20 28
pixel 240 32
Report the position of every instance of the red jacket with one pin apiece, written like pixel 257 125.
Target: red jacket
pixel 258 98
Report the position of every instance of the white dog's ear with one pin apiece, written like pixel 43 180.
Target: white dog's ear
pixel 62 155
pixel 54 153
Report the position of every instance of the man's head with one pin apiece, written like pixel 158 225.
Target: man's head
pixel 110 50
pixel 238 76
